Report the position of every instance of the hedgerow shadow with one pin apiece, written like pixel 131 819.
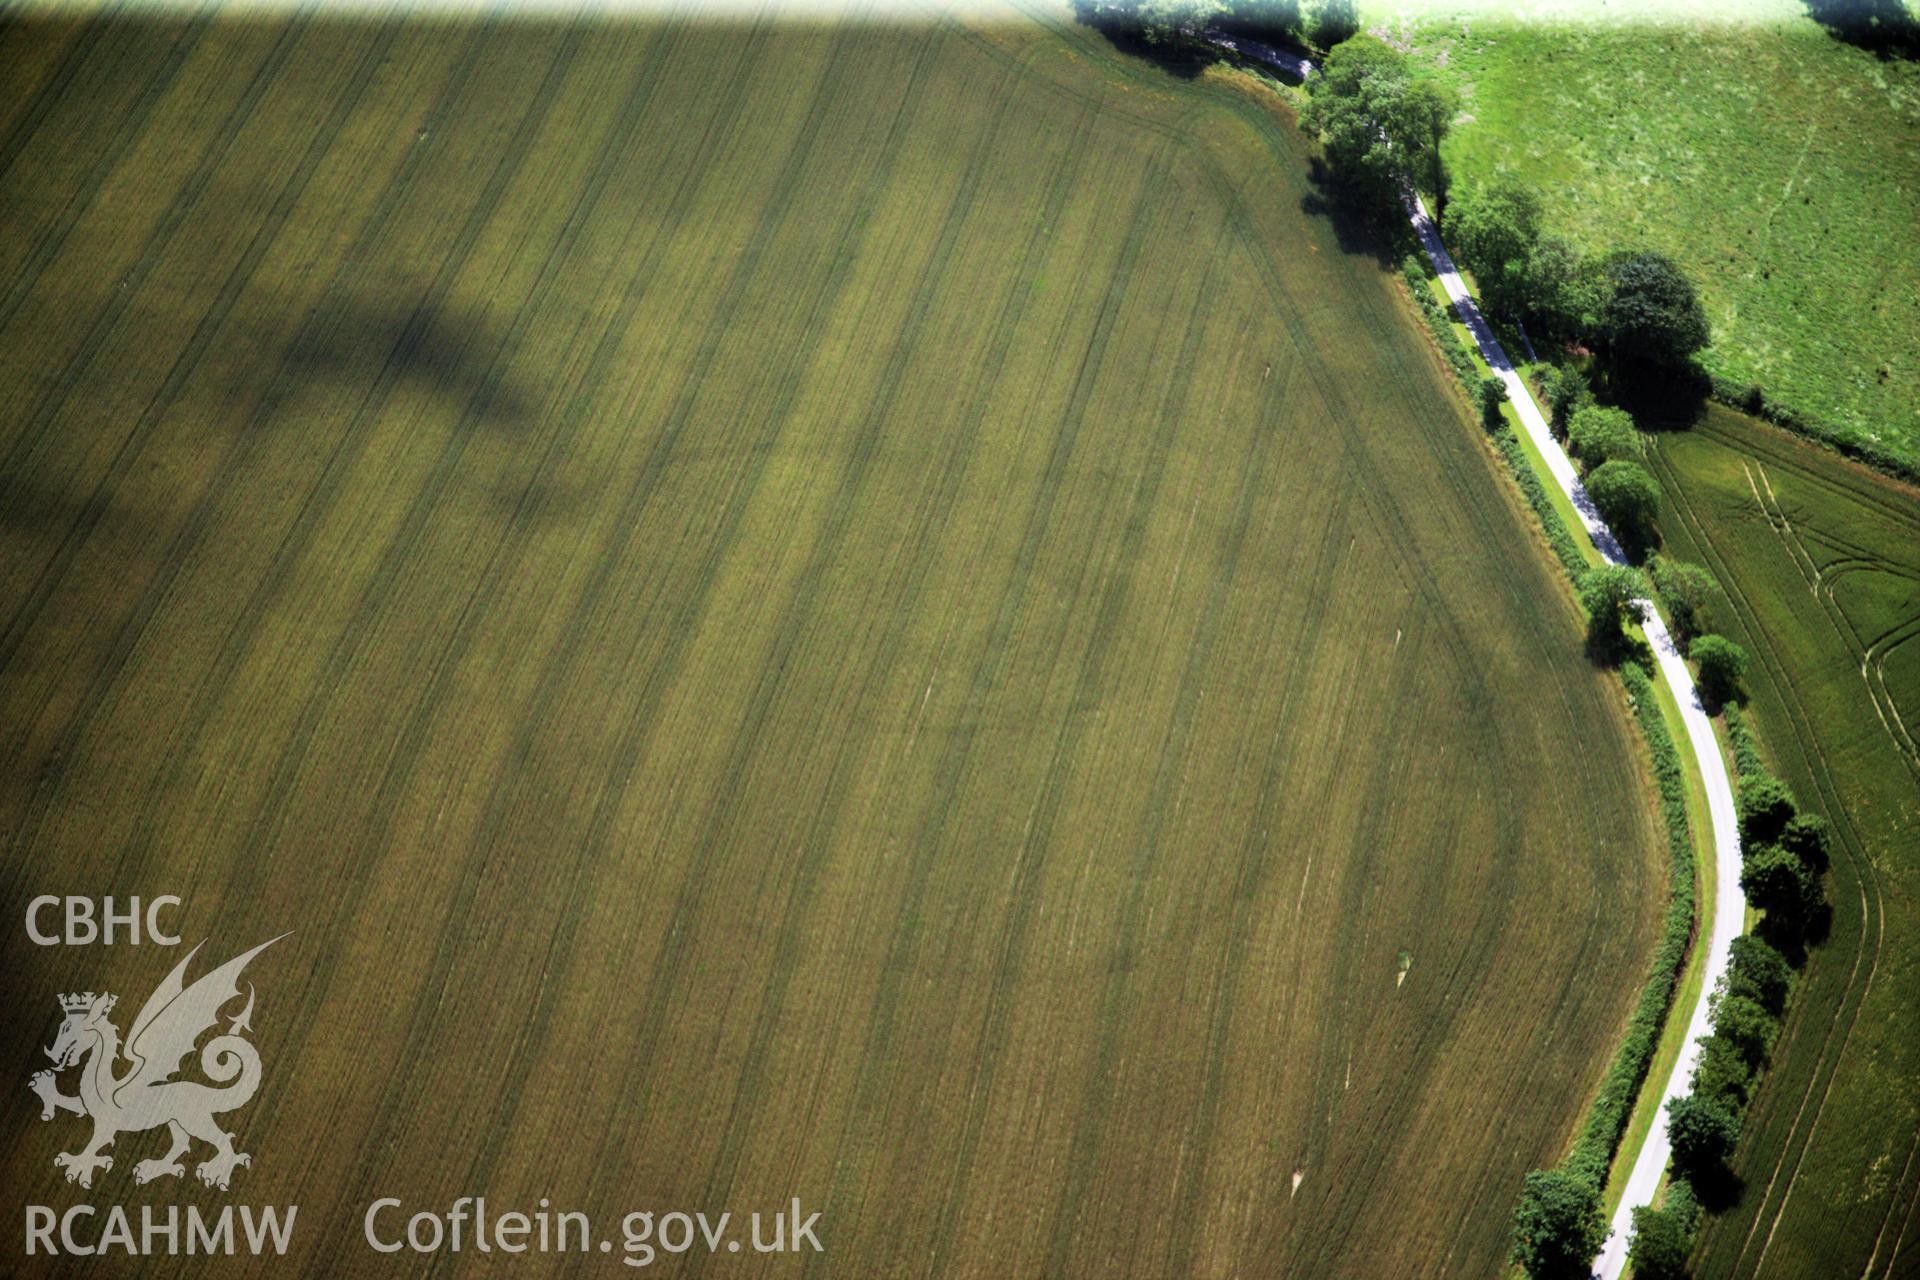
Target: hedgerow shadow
pixel 1718 1189
pixel 1363 225
pixel 1885 28
pixel 1181 59
pixel 1658 399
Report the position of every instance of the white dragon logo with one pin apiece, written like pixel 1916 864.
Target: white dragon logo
pixel 174 1017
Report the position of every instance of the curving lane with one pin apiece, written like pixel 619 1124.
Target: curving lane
pixel 1726 914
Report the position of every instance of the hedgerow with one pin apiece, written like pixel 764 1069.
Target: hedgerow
pixel 1454 352
pixel 1606 1121
pixel 1564 548
pixel 1746 753
pixel 1749 398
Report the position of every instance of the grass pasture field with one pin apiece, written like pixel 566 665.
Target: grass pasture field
pixel 1821 563
pixel 1775 163
pixel 829 611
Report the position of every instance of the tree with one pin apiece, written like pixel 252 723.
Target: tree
pixel 1746 1026
pixel 1759 973
pixel 1156 22
pixel 1494 228
pixel 1426 112
pixel 1493 394
pixel 1722 1072
pixel 1766 805
pixel 1378 121
pixel 1268 19
pixel 1683 590
pixel 1558 1226
pixel 1333 22
pixel 1599 435
pixel 1703 1132
pixel 1559 288
pixel 1722 663
pixel 1651 315
pixel 1610 593
pixel 1662 1238
pixel 1171 21
pixel 1565 390
pixel 1626 497
pixel 1806 837
pixel 1776 882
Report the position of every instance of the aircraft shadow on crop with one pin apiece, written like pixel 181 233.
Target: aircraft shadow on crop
pixel 459 355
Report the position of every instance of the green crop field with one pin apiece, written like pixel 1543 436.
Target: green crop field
pixel 1821 565
pixel 865 614
pixel 1778 165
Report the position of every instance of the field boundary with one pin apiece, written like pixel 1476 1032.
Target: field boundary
pixel 1727 915
pixel 1612 1114
pixel 1829 1026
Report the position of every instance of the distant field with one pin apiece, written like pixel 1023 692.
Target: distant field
pixel 1821 561
pixel 1780 166
pixel 872 615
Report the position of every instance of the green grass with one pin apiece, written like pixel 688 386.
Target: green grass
pixel 1779 166
pixel 1821 564
pixel 742 694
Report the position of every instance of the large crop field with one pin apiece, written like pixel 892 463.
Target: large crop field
pixel 867 614
pixel 1778 165
pixel 1821 563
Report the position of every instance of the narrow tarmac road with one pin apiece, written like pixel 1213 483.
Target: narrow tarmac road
pixel 1726 914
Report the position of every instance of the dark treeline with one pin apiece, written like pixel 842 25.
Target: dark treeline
pixel 1320 24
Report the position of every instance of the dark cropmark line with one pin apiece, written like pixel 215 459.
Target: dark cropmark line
pixel 180 551
pixel 23 457
pixel 933 515
pixel 638 724
pixel 133 123
pixel 1191 1177
pixel 1039 522
pixel 497 572
pixel 359 632
pixel 1495 911
pixel 459 82
pixel 1362 455
pixel 1454 458
pixel 1472 963
pixel 353 438
pixel 214 686
pixel 351 444
pixel 495 576
pixel 1032 856
pixel 27 443
pixel 678 936
pixel 1097 1097
pixel 636 501
pixel 1360 450
pixel 475 610
pixel 887 998
pixel 76 53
